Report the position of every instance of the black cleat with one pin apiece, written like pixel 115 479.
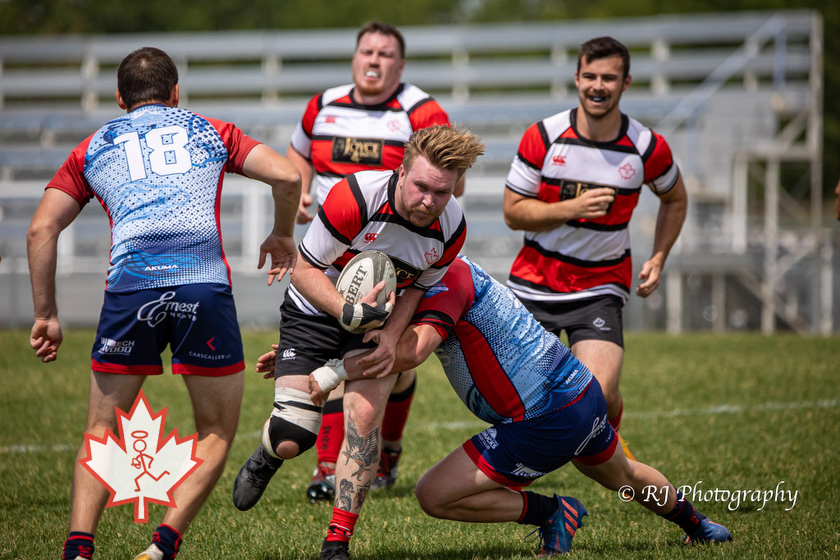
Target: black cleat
pixel 253 479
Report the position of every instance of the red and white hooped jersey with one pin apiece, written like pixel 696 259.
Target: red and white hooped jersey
pixel 584 258
pixel 360 214
pixel 339 136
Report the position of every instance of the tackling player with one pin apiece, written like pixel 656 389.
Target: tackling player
pixel 545 407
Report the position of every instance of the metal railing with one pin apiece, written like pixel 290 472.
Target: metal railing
pixel 722 87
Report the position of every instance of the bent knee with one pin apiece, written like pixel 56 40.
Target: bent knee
pixel 293 425
pixel 429 498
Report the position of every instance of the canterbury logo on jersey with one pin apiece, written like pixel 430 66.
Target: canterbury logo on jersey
pixel 367 151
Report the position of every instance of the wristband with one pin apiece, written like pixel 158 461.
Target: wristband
pixel 330 375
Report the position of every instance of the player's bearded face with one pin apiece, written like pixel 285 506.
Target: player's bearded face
pixel 423 191
pixel 377 67
pixel 600 83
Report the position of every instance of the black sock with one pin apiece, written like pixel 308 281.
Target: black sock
pixel 168 540
pixel 536 508
pixel 684 515
pixel 78 544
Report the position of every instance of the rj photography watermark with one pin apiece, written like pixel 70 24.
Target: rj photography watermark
pixel 698 494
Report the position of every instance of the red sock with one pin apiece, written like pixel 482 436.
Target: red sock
pixel 331 433
pixel 396 414
pixel 616 420
pixel 342 525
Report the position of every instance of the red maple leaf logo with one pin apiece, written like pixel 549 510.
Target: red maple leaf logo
pixel 626 171
pixel 141 466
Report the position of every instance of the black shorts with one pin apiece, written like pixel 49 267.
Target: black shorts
pixel 308 341
pixel 596 318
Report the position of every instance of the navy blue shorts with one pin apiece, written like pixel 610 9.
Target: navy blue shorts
pixel 197 321
pixel 518 453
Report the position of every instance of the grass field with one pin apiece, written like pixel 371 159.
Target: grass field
pixel 727 412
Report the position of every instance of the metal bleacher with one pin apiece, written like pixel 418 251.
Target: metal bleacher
pixel 737 95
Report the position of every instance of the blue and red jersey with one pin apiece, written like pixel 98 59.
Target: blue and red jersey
pixel 157 171
pixel 501 362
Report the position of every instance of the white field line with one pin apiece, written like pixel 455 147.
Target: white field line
pixel 709 411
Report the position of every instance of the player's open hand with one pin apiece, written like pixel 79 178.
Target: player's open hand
pixel 381 360
pixel 318 395
pixel 283 256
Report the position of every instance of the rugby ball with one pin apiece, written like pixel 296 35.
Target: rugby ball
pixel 363 273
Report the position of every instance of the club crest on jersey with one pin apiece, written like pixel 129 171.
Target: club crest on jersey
pixel 626 171
pixel 367 151
pixel 431 257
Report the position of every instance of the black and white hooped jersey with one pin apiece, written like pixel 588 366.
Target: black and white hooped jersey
pixel 360 214
pixel 339 136
pixel 584 258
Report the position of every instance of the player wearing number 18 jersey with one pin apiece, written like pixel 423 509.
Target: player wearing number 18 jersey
pixel 157 171
pixel 164 220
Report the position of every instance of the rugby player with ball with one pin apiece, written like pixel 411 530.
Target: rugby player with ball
pixel 410 215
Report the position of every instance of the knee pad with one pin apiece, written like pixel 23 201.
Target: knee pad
pixel 294 418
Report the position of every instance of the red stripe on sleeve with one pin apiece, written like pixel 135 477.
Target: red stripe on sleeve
pixel 428 114
pixel 660 160
pixel 341 210
pixel 70 177
pixel 532 147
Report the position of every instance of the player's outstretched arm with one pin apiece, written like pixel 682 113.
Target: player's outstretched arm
pixel 55 212
pixel 266 165
pixel 381 360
